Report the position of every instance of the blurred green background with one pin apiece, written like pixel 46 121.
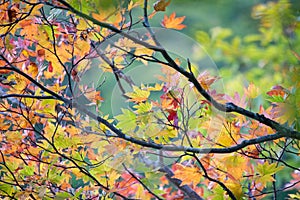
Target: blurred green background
pixel 206 14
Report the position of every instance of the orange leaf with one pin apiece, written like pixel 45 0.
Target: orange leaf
pixel 25 22
pixel 206 80
pixel 277 91
pixel 188 175
pixel 65 185
pixel 3 71
pixel 173 22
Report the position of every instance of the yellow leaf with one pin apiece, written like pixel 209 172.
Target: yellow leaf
pixel 294 196
pixel 132 4
pixel 236 188
pixel 30 29
pixel 82 47
pixel 235 164
pixel 13 136
pixel 82 25
pixel 138 95
pixel 226 138
pixel 157 87
pixel 173 22
pixel 33 70
pixel 20 83
pixel 165 134
pixel 143 51
pixel 252 91
pixel 57 88
pixel 77 172
pixel 112 177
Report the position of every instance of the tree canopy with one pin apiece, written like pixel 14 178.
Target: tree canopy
pixel 96 103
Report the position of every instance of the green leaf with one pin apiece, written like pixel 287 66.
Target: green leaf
pixel 27 170
pixel 54 176
pixel 266 171
pixel 275 99
pixel 62 196
pixel 62 142
pixel 77 194
pixel 203 38
pixel 143 107
pixel 127 120
pixel 152 179
pixel 6 188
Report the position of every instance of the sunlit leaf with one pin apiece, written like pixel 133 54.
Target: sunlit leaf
pixel 173 22
pixel 127 120
pixel 188 175
pixel 138 95
pixel 266 171
pixel 252 91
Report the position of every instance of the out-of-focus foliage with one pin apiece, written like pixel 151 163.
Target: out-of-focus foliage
pixel 267 58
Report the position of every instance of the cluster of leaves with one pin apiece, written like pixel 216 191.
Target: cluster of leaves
pixel 191 142
pixel 262 57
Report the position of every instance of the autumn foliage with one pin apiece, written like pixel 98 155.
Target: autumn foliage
pixel 179 137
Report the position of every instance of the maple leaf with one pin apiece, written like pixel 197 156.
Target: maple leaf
pixel 157 87
pixel 206 80
pixel 236 188
pixel 3 71
pixel 20 82
pixel 252 91
pixel 289 109
pixel 286 112
pixel 188 175
pixel 278 90
pixel 138 95
pixel 266 171
pixel 173 22
pixel 161 5
pixel 143 107
pixel 235 165
pixel 127 120
pixel 32 70
pixel 41 52
pixel 165 135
